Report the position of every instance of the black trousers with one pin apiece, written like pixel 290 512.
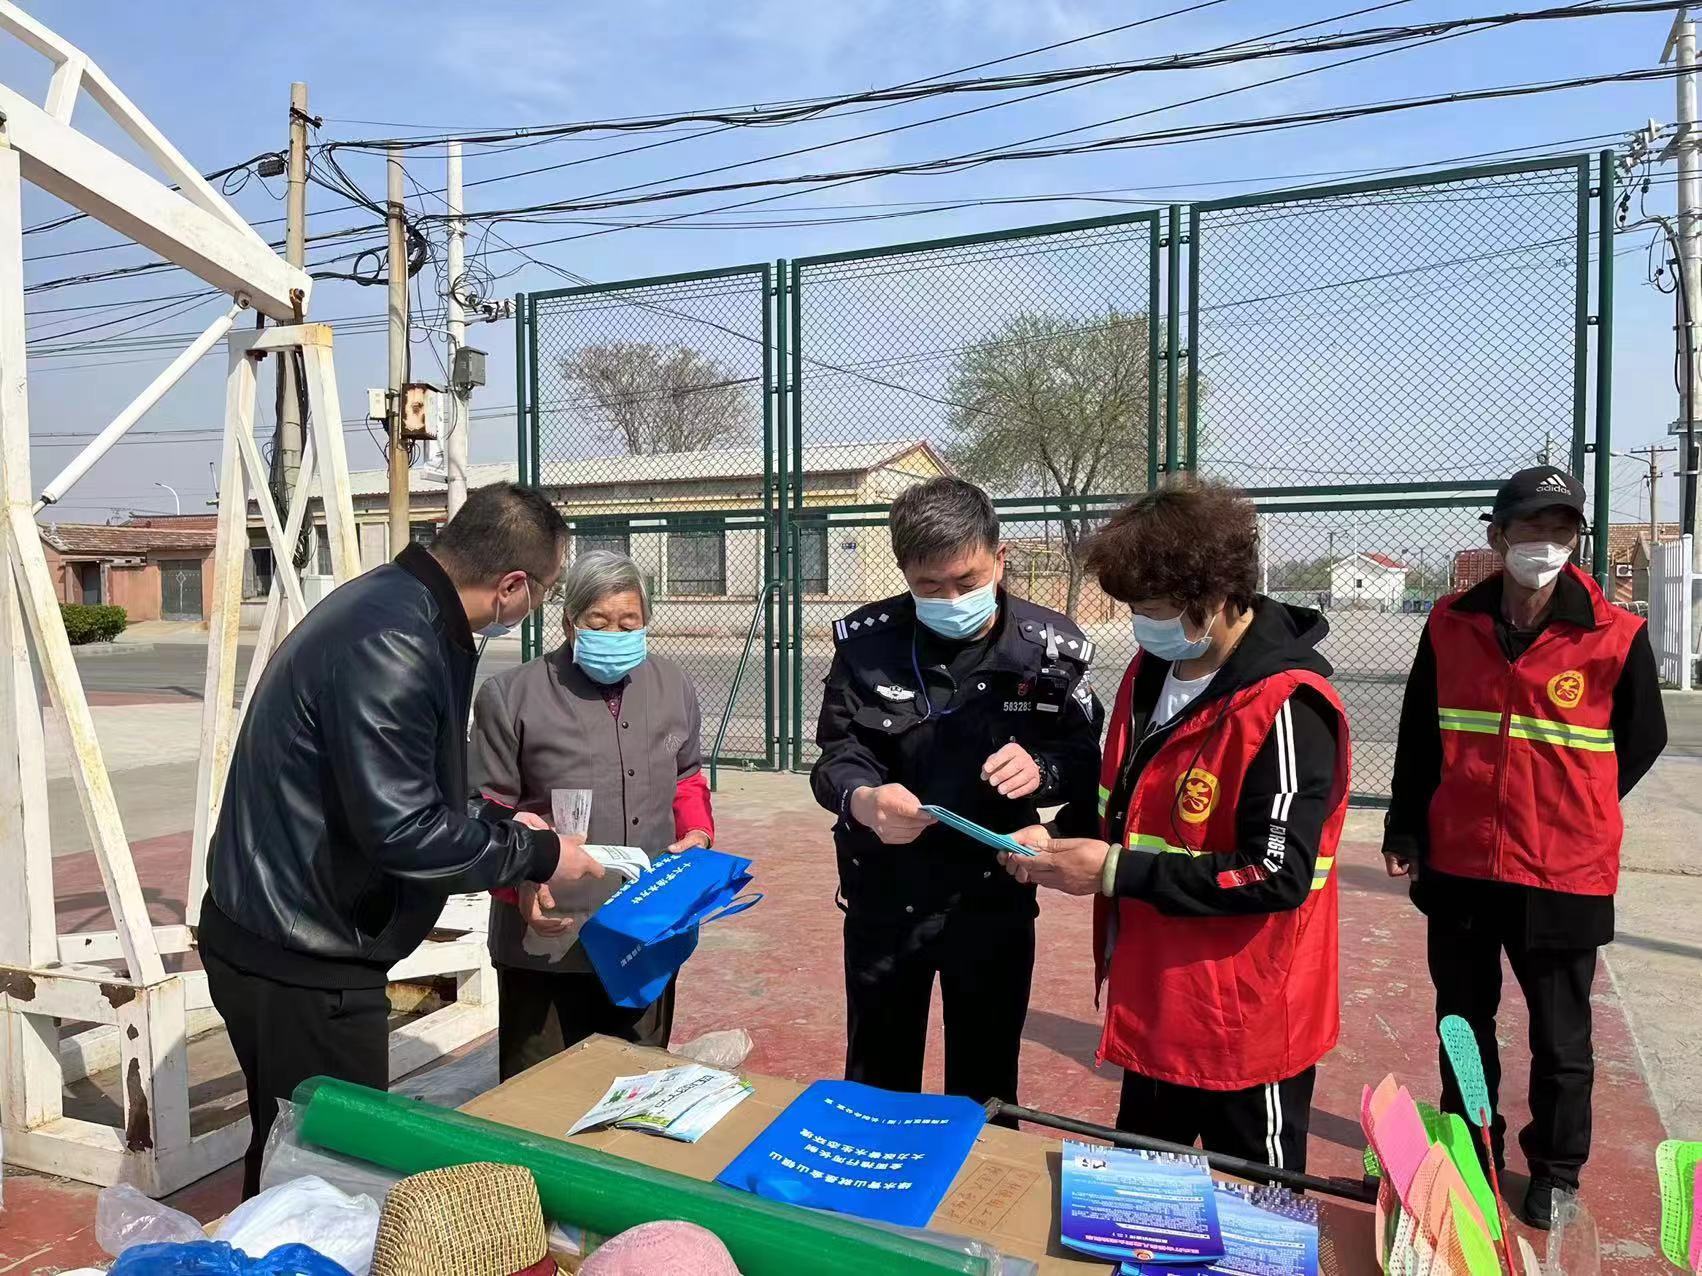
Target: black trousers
pixel 1265 1123
pixel 985 965
pixel 543 1012
pixel 283 1034
pixel 1465 966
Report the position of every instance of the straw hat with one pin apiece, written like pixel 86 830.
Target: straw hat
pixel 474 1220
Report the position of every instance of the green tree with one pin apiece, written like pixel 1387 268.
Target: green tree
pixel 1055 405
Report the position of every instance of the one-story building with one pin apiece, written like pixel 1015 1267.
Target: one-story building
pixel 707 576
pixel 156 568
pixel 1368 580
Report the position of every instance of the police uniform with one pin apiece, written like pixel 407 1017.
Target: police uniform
pixel 905 706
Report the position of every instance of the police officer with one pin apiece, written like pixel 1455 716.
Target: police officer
pixel 960 696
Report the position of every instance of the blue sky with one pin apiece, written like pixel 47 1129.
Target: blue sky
pixel 215 78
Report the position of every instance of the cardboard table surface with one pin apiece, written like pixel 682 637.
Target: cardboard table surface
pixel 1005 1194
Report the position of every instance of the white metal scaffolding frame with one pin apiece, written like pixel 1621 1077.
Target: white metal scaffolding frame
pixel 75 1004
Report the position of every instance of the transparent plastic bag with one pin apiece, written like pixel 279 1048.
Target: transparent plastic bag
pixel 306 1211
pixel 124 1217
pixel 286 1159
pixel 1574 1244
pixel 727 1049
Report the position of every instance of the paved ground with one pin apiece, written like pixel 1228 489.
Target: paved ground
pixel 753 973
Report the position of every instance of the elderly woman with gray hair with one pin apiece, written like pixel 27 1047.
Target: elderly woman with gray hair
pixel 599 713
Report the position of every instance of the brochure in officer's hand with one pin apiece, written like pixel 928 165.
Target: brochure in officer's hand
pixel 969 828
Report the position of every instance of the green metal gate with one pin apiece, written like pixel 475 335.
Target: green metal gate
pixel 1368 361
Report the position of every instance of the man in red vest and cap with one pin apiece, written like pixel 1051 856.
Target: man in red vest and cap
pixel 1533 707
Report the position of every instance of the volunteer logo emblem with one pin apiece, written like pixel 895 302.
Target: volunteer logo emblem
pixel 1567 689
pixel 1197 792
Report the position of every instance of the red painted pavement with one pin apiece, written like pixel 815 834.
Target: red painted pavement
pixel 776 972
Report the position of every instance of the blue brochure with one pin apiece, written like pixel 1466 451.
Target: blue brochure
pixel 1266 1232
pixel 857 1150
pixel 969 828
pixel 1145 1206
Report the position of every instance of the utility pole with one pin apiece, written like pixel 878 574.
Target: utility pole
pixel 1652 455
pixel 455 443
pixel 1681 45
pixel 395 214
pixel 288 465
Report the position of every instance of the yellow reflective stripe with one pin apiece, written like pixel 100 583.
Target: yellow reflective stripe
pixel 1539 730
pixel 1104 798
pixel 1568 728
pixel 1470 725
pixel 1321 871
pixel 1154 844
pixel 1470 715
pixel 1543 736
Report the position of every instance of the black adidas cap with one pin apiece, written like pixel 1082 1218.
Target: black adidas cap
pixel 1539 488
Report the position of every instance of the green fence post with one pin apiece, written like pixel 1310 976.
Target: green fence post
pixel 795 575
pixel 1173 361
pixel 524 446
pixel 770 514
pixel 1604 369
pixel 782 522
pixel 1153 316
pixel 1193 383
pixel 1581 323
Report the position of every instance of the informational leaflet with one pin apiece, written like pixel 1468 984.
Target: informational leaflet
pixel 681 1103
pixel 1145 1207
pixel 857 1150
pixel 1266 1232
pixel 969 828
pixel 628 862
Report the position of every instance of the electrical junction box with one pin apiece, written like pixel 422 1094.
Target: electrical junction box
pixel 469 370
pixel 419 411
pixel 377 405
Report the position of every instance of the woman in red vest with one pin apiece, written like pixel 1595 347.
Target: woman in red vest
pixel 1533 707
pixel 1222 795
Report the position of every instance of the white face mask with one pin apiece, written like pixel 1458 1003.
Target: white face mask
pixel 1535 564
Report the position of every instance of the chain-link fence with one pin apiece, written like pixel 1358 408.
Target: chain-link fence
pixel 1368 361
pixel 647 412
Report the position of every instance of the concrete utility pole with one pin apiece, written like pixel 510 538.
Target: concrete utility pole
pixel 1681 46
pixel 1652 455
pixel 395 215
pixel 455 442
pixel 288 466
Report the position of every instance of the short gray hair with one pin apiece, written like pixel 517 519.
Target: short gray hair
pixel 940 518
pixel 594 576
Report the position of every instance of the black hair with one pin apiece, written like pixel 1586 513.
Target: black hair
pixel 939 518
pixel 502 528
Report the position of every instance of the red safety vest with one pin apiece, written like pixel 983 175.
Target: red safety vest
pixel 1217 1003
pixel 1530 782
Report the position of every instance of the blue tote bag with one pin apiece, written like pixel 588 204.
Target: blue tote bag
pixel 639 939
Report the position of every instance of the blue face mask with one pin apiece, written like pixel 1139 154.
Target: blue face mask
pixel 608 655
pixel 1168 640
pixel 961 617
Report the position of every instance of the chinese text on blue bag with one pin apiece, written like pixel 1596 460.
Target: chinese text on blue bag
pixel 639 939
pixel 857 1150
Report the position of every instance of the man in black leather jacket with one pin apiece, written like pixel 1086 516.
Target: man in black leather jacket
pixel 346 824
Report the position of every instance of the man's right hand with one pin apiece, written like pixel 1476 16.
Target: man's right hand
pixel 892 812
pixel 573 866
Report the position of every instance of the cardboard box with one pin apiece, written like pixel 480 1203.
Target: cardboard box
pixel 1005 1194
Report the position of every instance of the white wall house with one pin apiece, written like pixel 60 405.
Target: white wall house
pixel 1368 580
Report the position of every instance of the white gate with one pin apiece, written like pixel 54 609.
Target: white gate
pixel 1671 583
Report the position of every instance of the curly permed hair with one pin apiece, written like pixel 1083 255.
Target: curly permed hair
pixel 1196 542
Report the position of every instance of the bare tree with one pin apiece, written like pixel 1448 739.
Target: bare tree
pixel 660 398
pixel 1057 406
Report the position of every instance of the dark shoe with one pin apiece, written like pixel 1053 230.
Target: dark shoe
pixel 1537 1210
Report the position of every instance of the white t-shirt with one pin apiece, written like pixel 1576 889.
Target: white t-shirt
pixel 1177 694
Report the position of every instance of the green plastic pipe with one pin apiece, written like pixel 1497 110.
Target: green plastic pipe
pixel 608 1194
